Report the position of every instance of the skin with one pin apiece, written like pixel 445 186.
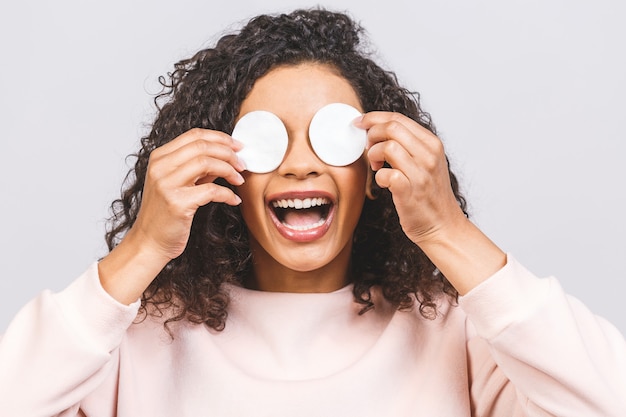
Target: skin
pixel 280 264
pixel 181 173
pixel 429 214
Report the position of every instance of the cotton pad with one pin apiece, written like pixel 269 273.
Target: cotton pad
pixel 334 138
pixel 264 139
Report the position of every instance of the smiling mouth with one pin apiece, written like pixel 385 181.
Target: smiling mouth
pixel 302 214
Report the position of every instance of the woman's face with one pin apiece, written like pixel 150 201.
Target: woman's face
pixel 305 248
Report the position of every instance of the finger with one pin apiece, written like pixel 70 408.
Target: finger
pixel 195 134
pixel 202 169
pixel 196 148
pixel 187 200
pixel 426 150
pixel 387 125
pixel 393 153
pixel 204 194
pixel 378 117
pixel 394 180
pixel 393 131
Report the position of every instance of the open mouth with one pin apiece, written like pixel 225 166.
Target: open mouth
pixel 302 214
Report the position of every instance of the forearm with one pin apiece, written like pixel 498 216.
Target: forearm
pixel 128 270
pixel 464 254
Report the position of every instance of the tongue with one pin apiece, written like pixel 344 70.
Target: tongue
pixel 302 217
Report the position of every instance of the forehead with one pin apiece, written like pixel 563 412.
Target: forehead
pixel 294 93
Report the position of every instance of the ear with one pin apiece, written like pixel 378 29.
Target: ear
pixel 369 183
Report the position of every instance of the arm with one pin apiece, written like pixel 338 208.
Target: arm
pixel 559 356
pixel 431 217
pixel 429 213
pixel 62 346
pixel 179 180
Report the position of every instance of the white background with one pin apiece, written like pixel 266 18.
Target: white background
pixel 528 96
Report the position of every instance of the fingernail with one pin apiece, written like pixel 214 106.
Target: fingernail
pixel 241 164
pixel 238 145
pixel 358 120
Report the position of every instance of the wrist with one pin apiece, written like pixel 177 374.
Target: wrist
pixel 464 254
pixel 129 268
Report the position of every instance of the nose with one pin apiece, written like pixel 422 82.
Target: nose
pixel 300 160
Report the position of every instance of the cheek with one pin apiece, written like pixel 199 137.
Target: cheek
pixel 251 191
pixel 355 183
pixel 360 175
pixel 251 199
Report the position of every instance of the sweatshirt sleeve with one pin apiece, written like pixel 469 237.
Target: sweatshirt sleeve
pixel 561 359
pixel 60 347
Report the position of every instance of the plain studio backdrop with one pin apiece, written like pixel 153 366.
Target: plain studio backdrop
pixel 529 98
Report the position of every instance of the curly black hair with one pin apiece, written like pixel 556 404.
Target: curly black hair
pixel 206 91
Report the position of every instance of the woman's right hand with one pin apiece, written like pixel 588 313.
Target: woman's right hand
pixel 180 179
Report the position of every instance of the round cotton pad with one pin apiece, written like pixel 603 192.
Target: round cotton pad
pixel 264 139
pixel 334 138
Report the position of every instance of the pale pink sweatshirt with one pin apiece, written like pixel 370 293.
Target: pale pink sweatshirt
pixel 516 345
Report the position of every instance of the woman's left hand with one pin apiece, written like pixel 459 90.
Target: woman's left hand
pixel 430 215
pixel 418 178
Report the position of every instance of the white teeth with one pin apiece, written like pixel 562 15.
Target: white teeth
pixel 304 203
pixel 305 227
pixel 297 203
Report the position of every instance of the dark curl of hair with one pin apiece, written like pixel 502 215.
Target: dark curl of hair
pixel 206 91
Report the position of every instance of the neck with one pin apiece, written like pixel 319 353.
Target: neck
pixel 270 275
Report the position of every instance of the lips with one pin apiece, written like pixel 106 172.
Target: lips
pixel 302 216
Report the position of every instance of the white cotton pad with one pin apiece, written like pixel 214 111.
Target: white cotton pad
pixel 334 138
pixel 264 139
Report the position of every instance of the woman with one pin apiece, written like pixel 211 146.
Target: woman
pixel 251 302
